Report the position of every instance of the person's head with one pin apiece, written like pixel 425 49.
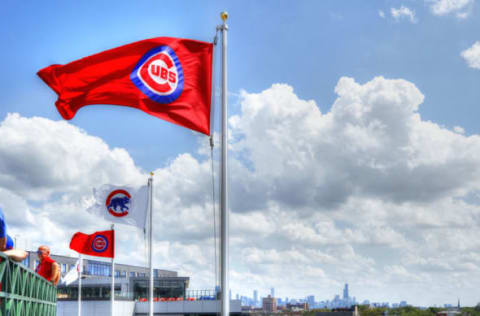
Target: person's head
pixel 43 252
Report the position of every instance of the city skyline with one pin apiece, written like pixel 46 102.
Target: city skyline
pixel 346 301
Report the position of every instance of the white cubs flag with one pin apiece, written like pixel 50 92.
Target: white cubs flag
pixel 121 204
pixel 72 275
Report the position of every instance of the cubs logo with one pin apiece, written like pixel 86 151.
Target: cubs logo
pixel 159 75
pixel 100 243
pixel 118 203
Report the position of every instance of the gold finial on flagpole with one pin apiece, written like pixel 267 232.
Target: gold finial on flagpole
pixel 224 16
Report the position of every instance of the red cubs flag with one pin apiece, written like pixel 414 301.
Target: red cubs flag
pixel 169 78
pixel 99 244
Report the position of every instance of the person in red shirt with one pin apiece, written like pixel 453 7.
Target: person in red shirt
pixel 47 267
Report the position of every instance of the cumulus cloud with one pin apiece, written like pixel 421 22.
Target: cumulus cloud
pixel 403 13
pixel 375 175
pixel 461 8
pixel 40 157
pixel 472 55
pixel 367 193
pixel 48 170
pixel 372 143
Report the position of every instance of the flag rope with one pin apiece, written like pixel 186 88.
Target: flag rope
pixel 213 89
pixel 145 241
pixel 212 144
pixel 214 213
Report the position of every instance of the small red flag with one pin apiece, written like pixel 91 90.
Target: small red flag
pixel 99 244
pixel 169 78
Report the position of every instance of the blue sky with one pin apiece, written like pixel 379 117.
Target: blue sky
pixel 307 46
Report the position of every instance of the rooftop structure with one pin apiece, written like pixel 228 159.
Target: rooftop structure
pixel 131 291
pixel 131 282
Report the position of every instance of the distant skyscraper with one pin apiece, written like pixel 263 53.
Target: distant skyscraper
pixel 269 304
pixel 345 292
pixel 255 297
pixel 272 292
pixel 311 301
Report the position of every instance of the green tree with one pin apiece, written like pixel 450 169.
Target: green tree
pixel 477 308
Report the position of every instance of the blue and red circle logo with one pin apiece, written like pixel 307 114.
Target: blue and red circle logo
pixel 159 75
pixel 118 203
pixel 100 243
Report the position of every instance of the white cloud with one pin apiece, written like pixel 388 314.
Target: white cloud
pixel 403 12
pixel 373 143
pixel 367 193
pixel 461 8
pixel 462 15
pixel 48 170
pixel 40 157
pixel 375 175
pixel 472 55
pixel 459 129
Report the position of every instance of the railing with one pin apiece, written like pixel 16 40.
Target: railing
pixel 23 292
pixel 201 295
pixel 190 295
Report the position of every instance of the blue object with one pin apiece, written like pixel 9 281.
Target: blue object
pixel 10 243
pixel 3 226
pixel 158 96
pixel 119 202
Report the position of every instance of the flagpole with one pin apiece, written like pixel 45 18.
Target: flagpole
pixel 112 298
pixel 150 186
pixel 224 196
pixel 80 266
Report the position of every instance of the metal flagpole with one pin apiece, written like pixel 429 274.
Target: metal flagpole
pixel 150 186
pixel 80 265
pixel 224 196
pixel 112 298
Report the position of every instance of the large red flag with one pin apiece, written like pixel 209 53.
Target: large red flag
pixel 169 78
pixel 99 244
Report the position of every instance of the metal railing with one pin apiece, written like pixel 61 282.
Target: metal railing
pixel 23 292
pixel 201 295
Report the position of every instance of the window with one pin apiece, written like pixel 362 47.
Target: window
pixel 132 274
pixel 120 273
pixel 64 267
pixel 99 268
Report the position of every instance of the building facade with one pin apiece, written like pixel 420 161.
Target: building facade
pixel 171 296
pixel 269 304
pixel 345 292
pixel 131 282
